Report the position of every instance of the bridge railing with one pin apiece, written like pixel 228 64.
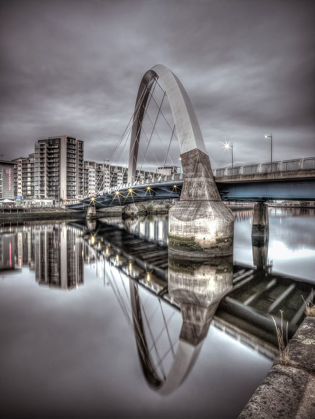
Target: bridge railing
pixel 307 163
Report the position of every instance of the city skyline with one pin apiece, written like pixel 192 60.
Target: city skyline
pixel 74 68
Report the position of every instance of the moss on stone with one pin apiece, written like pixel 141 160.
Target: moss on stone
pixel 226 239
pixel 184 243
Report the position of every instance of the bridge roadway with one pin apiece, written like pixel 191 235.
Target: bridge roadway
pixel 232 185
pixel 244 314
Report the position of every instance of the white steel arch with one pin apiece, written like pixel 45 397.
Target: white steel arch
pixel 187 127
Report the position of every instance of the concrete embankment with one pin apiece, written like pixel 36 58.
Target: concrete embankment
pixel 40 215
pixel 288 391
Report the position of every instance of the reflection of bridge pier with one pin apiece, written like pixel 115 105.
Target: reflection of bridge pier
pixel 198 289
pixel 260 235
pixel 260 251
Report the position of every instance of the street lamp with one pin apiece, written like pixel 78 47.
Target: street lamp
pixel 228 146
pixel 270 136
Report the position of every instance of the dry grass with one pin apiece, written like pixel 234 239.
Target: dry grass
pixel 309 305
pixel 282 337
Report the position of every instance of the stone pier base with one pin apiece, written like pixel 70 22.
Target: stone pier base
pixel 200 229
pixel 200 225
pixel 130 210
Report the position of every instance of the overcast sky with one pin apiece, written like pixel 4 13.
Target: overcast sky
pixel 74 67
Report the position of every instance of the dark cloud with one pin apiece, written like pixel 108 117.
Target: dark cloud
pixel 73 67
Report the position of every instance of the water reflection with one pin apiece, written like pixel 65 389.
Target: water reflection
pixel 197 288
pixel 54 251
pixel 57 252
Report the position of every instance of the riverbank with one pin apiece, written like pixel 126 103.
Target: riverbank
pixel 288 391
pixel 41 215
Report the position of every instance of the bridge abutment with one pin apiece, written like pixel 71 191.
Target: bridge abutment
pixel 200 224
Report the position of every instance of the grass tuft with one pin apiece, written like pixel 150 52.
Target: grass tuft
pixel 309 305
pixel 282 337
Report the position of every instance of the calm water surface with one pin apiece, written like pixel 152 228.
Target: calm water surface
pixel 80 340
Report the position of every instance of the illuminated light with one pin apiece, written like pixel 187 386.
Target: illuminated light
pixel 92 239
pixel 92 199
pixel 117 257
pixel 107 250
pixel 148 277
pixel 180 158
pixel 227 146
pixel 117 193
pixel 174 186
pixel 130 190
pixel 149 188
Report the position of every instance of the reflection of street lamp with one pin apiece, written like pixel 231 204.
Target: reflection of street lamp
pixel 270 136
pixel 228 146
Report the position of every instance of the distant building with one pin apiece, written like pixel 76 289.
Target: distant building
pixel 167 170
pixel 6 180
pixel 101 176
pixel 24 176
pixel 58 170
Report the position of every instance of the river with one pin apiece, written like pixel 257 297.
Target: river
pixel 93 325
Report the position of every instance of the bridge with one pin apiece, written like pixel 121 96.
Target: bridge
pixel 238 300
pixel 199 190
pixel 290 180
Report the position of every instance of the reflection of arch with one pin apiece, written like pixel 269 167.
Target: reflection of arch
pixel 198 289
pixel 185 357
pixel 186 123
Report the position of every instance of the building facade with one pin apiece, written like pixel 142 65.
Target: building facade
pixel 24 177
pixel 167 170
pixel 58 169
pixel 6 180
pixel 102 176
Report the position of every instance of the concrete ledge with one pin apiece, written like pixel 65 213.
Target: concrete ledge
pixel 288 391
pixel 302 346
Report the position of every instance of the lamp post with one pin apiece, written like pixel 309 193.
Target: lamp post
pixel 228 146
pixel 270 136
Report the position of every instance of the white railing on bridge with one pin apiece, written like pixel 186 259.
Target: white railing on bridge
pixel 279 166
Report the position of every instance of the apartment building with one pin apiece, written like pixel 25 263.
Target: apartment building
pixel 6 180
pixel 101 176
pixel 24 176
pixel 58 169
pixel 167 170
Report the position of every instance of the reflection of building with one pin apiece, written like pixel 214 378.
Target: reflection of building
pixel 6 180
pixel 54 251
pixel 58 257
pixel 153 228
pixel 7 251
pixel 59 168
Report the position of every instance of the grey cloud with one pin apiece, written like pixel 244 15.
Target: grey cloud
pixel 74 67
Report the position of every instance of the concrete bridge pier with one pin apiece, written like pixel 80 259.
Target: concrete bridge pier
pixel 260 226
pixel 91 213
pixel 130 210
pixel 200 224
